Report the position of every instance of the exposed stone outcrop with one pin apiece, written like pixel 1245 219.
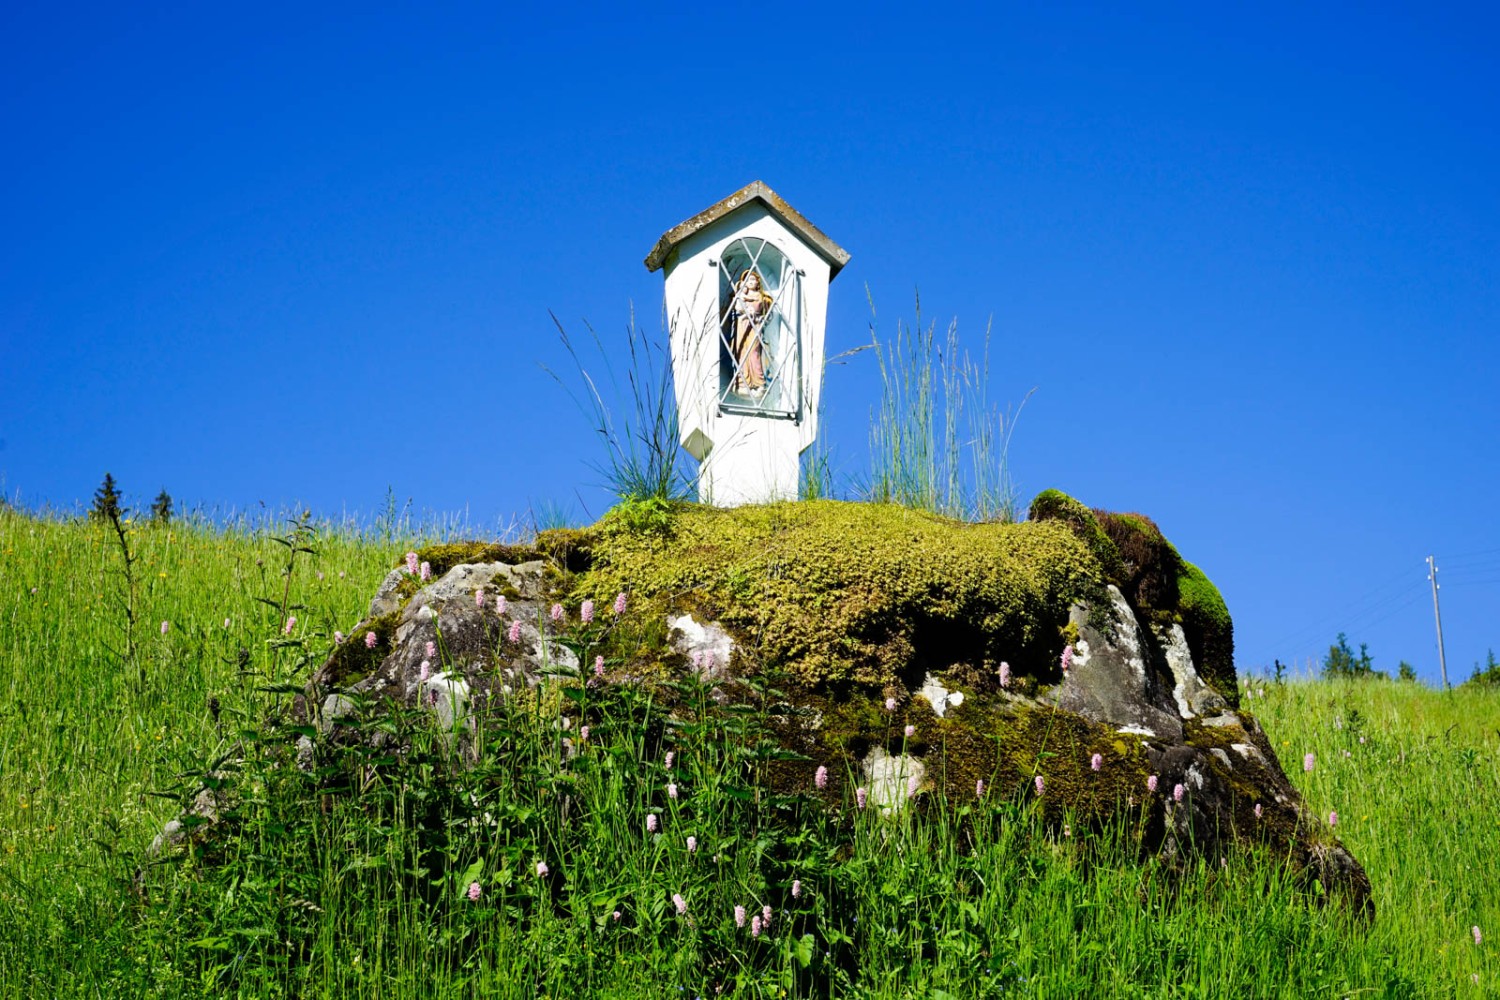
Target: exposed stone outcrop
pixel 918 656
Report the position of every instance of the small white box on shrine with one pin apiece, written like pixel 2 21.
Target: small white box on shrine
pixel 746 302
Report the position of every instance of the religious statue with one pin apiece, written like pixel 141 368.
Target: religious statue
pixel 749 309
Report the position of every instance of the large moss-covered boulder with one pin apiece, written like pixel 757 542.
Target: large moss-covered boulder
pixel 1075 657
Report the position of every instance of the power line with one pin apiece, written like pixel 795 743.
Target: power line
pixel 1472 577
pixel 1474 554
pixel 1488 562
pixel 1381 600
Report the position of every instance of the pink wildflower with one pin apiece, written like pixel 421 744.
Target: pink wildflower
pixel 1478 939
pixel 910 731
pixel 913 783
pixel 1151 784
pixel 692 844
pixel 671 756
pixel 586 612
pixel 739 916
pixel 1177 793
pixel 1004 674
pixel 479 598
pixel 422 673
pixel 765 916
pixel 583 733
pixel 1333 817
pixel 165 626
pixel 1097 762
pixel 514 635
pixel 411 563
pixel 370 640
pixel 598 666
pixel 500 605
pixel 651 822
pixel 1041 785
pixel 672 790
pixel 979 789
pixel 620 603
pixel 338 638
pixel 820 777
pixel 541 869
pixel 890 704
pixel 796 888
pixel 755 927
pixel 1067 657
pixel 557 612
pixel 431 650
pixel 1258 810
pixel 680 903
pixel 291 623
pixel 475 892
pixel 1308 761
pixel 426 572
pixel 860 797
pixel 616 916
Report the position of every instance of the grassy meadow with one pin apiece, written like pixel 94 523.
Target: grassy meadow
pixel 539 873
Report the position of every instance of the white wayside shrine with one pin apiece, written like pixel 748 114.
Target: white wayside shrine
pixel 746 299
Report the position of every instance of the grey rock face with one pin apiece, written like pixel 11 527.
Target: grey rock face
pixel 386 599
pixel 454 647
pixel 1190 695
pixel 1109 680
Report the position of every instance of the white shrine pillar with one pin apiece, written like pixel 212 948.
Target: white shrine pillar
pixel 746 300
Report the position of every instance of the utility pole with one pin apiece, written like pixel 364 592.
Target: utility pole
pixel 1438 617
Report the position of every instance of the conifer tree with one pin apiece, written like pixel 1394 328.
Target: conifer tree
pixel 106 501
pixel 161 507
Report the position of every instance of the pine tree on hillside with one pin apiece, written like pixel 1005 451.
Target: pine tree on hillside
pixel 106 501
pixel 1341 661
pixel 161 507
pixel 1491 672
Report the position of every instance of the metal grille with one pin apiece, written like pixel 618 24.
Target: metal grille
pixel 759 345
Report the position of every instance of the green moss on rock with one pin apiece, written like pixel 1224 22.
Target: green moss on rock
pixel 1055 505
pixel 834 592
pixel 1209 630
pixel 1149 564
pixel 1166 589
pixel 444 557
pixel 352 660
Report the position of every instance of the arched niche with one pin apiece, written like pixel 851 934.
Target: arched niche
pixel 760 362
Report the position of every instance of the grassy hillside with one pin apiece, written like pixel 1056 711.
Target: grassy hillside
pixel 314 897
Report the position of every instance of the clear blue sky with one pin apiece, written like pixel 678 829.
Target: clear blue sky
pixel 1251 262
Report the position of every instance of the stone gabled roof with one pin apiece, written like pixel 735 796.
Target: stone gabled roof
pixel 830 251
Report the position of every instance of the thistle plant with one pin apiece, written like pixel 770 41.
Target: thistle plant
pixel 107 509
